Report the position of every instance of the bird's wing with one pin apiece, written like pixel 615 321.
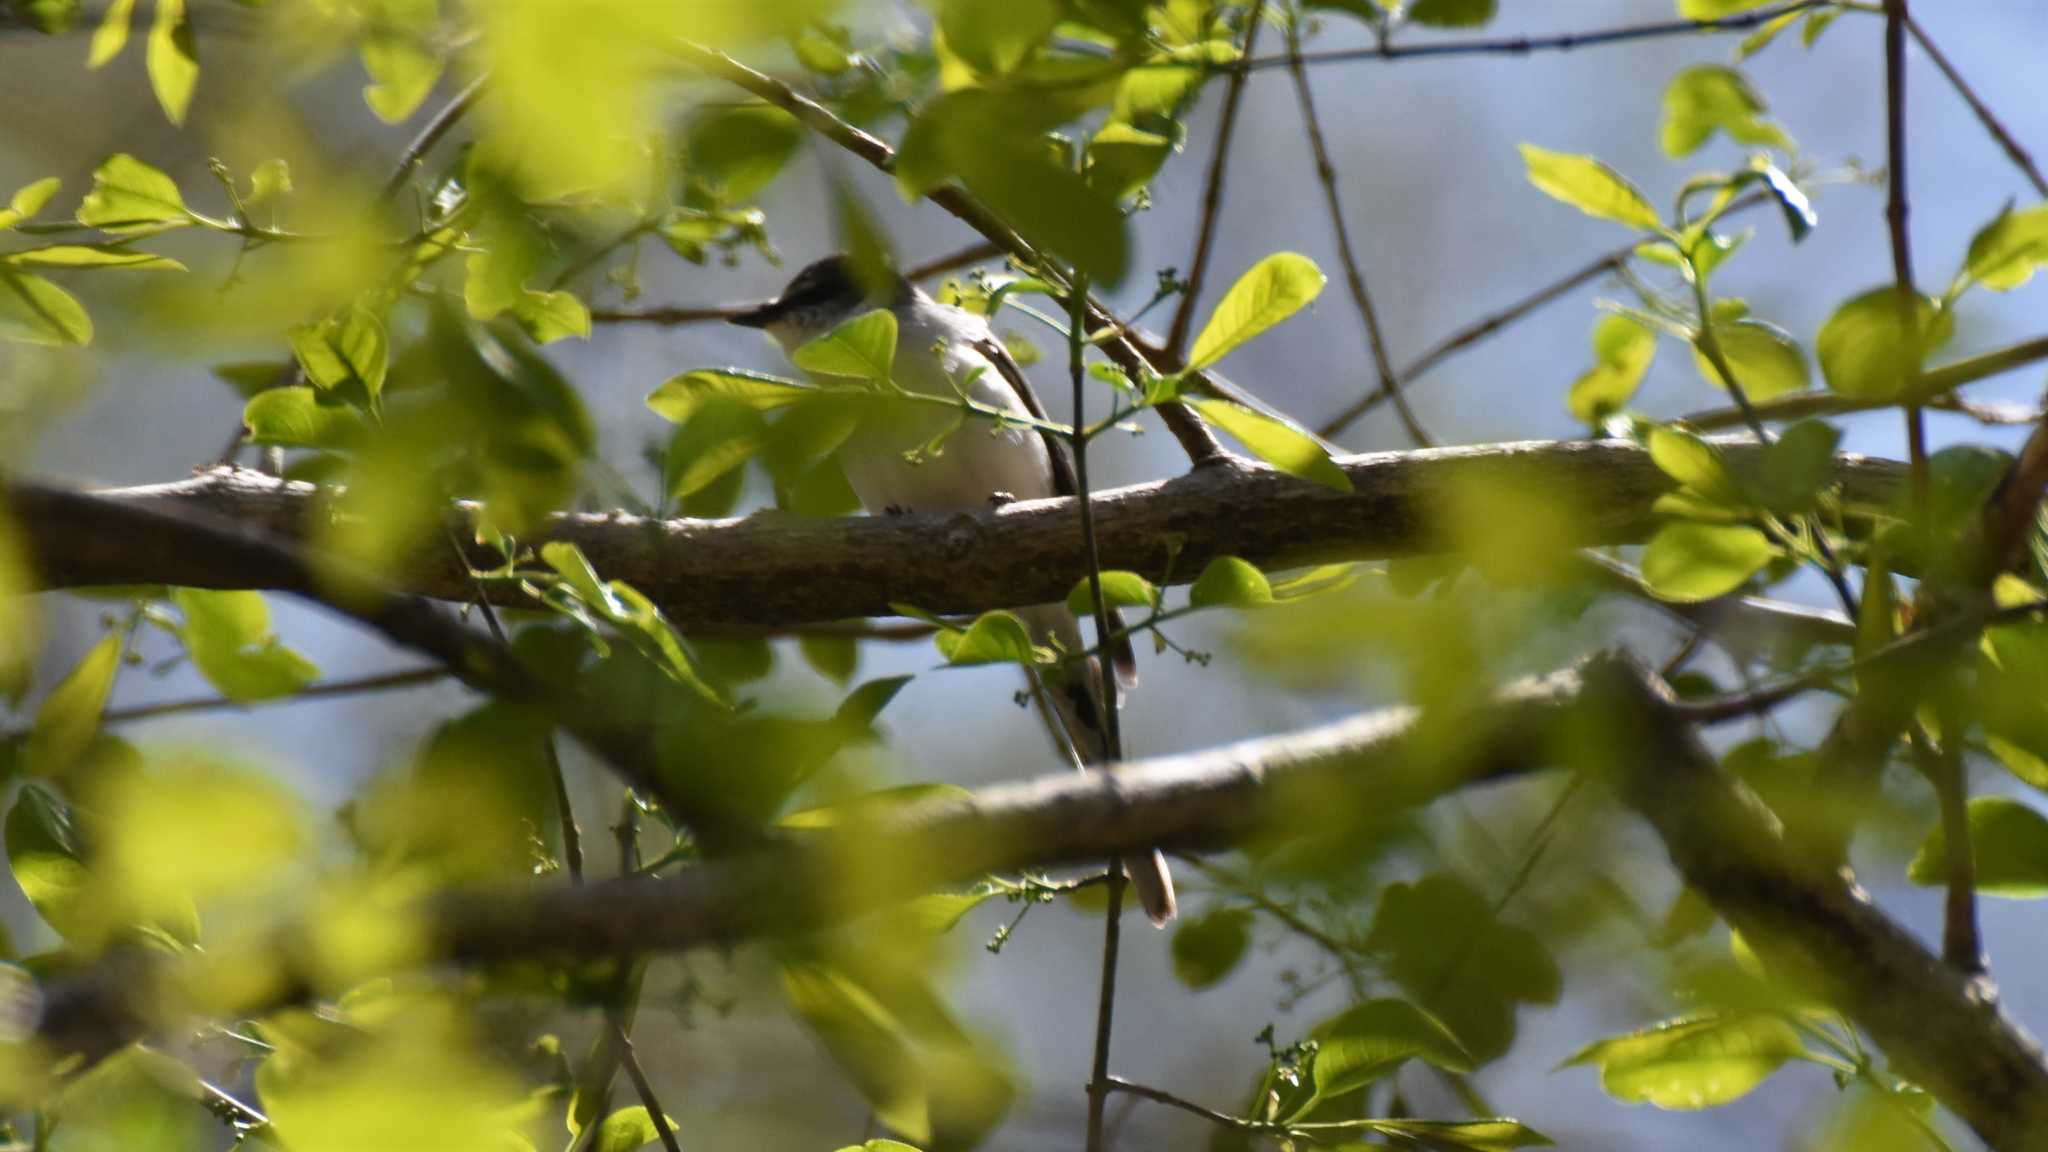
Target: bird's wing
pixel 1123 661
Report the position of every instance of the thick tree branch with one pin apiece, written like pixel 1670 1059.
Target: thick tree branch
pixel 769 570
pixel 1938 1026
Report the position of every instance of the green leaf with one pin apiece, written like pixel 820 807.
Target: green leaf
pixel 1693 1062
pixel 879 1146
pixel 999 637
pixel 336 351
pixel 70 714
pixel 1710 98
pixel 112 34
pixel 1208 948
pixel 550 316
pixel 2009 842
pixel 2005 253
pixel 29 200
pixel 833 657
pixel 1277 442
pixel 398 44
pixel 626 609
pixel 138 1099
pixel 1716 9
pixel 270 180
pixel 740 150
pixel 1865 352
pixel 173 59
pixel 1688 562
pixel 42 851
pixel 229 638
pixel 1590 186
pixel 1229 582
pixel 1622 352
pixel 1462 1135
pixel 683 395
pixel 1694 463
pixel 130 196
pixel 1766 360
pixel 1452 13
pixel 1120 589
pixel 628 1129
pixel 1442 941
pixel 302 418
pixel 1054 208
pixel 717 439
pixel 1123 159
pixel 1274 289
pixel 88 256
pixel 863 348
pixel 1363 1044
pixel 997 35
pixel 35 311
pixel 1797 466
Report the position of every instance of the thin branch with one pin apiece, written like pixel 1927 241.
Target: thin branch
pixel 954 261
pixel 416 152
pixel 773 572
pixel 1523 45
pixel 1908 297
pixel 1962 945
pixel 1354 277
pixel 1161 1096
pixel 630 1060
pixel 1212 191
pixel 2006 140
pixel 323 691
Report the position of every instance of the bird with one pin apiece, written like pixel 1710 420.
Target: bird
pixel 946 351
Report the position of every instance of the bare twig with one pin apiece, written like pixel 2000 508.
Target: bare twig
pixel 1212 192
pixel 323 691
pixel 2006 140
pixel 954 261
pixel 630 1061
pixel 1902 249
pixel 1962 945
pixel 1523 45
pixel 416 152
pixel 1161 1096
pixel 1354 277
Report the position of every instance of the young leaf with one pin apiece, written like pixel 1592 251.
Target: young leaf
pixel 229 638
pixel 1452 13
pixel 130 196
pixel 2009 841
pixel 70 714
pixel 628 1130
pixel 42 852
pixel 1462 1135
pixel 1710 98
pixel 2005 253
pixel 684 394
pixel 1365 1043
pixel 1590 186
pixel 863 348
pixel 1207 948
pixel 1229 582
pixel 1687 562
pixel 1120 589
pixel 89 256
pixel 173 59
pixel 297 418
pixel 833 657
pixel 1275 441
pixel 1693 1062
pixel 1766 360
pixel 112 34
pixel 398 47
pixel 1797 466
pixel 1866 354
pixel 1622 352
pixel 995 38
pixel 1694 463
pixel 35 311
pixel 29 200
pixel 994 638
pixel 740 150
pixel 1274 289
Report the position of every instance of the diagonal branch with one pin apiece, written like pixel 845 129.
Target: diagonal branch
pixel 1212 192
pixel 769 571
pixel 2006 140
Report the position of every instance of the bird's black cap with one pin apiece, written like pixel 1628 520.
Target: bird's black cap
pixel 819 281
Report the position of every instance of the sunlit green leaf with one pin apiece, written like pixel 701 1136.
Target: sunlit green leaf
pixel 1462 1135
pixel 139 1098
pixel 43 853
pixel 130 196
pixel 1207 948
pixel 302 418
pixel 269 181
pixel 863 348
pixel 2005 253
pixel 2009 842
pixel 190 831
pixel 628 1129
pixel 1797 466
pixel 89 256
pixel 741 149
pixel 1120 589
pixel 717 438
pixel 1688 561
pixel 1710 98
pixel 1364 1043
pixel 1693 1062
pixel 1229 582
pixel 399 43
pixel 229 638
pixel 173 59
pixel 1694 463
pixel 1866 353
pixel 29 200
pixel 833 657
pixel 1622 352
pixel 35 311
pixel 70 714
pixel 1276 442
pixel 1274 289
pixel 1766 360
pixel 996 35
pixel 1123 159
pixel 1452 13
pixel 681 396
pixel 112 33
pixel 413 1083
pixel 1590 186
pixel 994 638
pixel 1716 9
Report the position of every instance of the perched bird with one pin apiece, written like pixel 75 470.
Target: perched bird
pixel 945 351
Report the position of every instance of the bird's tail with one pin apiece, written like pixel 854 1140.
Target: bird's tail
pixel 1074 699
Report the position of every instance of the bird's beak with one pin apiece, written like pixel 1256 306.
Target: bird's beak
pixel 759 316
